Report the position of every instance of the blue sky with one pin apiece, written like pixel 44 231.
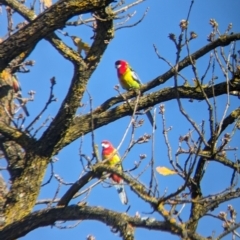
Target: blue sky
pixel 136 46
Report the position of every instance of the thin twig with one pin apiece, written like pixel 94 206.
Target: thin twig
pixel 50 100
pixel 134 24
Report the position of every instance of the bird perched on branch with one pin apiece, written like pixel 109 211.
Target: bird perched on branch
pixel 129 80
pixel 17 89
pixel 11 80
pixel 109 153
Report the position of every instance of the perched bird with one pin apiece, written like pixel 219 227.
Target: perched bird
pixel 17 89
pixel 113 159
pixel 11 80
pixel 129 80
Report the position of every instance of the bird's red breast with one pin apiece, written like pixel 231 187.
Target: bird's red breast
pixel 15 85
pixel 109 151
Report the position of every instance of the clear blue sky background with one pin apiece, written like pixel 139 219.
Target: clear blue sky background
pixel 136 46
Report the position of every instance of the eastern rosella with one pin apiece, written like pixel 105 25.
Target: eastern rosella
pixel 129 80
pixel 11 80
pixel 17 89
pixel 113 159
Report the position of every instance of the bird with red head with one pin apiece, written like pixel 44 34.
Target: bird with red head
pixel 109 153
pixel 129 80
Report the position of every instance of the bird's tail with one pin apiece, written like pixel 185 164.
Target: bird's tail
pixel 121 193
pixel 150 118
pixel 20 100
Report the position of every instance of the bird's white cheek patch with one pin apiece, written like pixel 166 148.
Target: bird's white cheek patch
pixel 105 145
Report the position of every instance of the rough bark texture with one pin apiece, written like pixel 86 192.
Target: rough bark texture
pixel 52 19
pixel 31 169
pixel 28 157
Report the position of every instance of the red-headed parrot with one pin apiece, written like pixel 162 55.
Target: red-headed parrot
pixel 17 89
pixel 113 159
pixel 11 80
pixel 129 80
